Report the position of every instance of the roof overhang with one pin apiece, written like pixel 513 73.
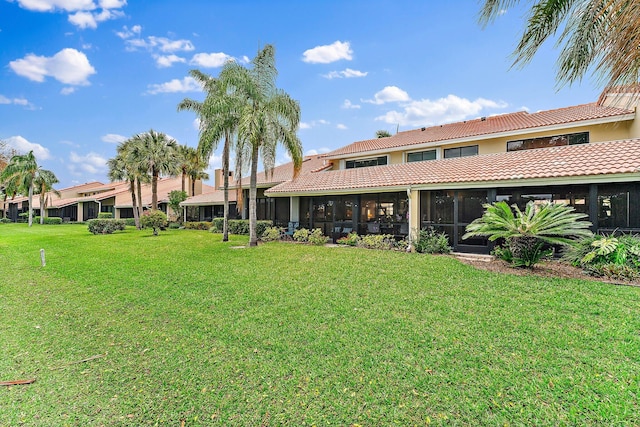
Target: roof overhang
pixel 469 185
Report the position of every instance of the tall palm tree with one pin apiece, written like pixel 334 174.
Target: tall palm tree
pixel 186 153
pixel 269 116
pixel 600 35
pixel 157 153
pixel 22 169
pixel 9 189
pixel 43 184
pixel 197 170
pixel 219 118
pixel 120 169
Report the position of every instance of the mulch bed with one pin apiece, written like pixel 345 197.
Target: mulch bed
pixel 545 269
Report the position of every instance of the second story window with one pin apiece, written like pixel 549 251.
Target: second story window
pixel 363 163
pixel 421 155
pixel 471 150
pixel 548 141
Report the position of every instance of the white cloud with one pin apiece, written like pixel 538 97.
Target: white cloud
pixel 313 123
pixel 68 66
pixel 52 5
pixel 188 84
pixel 443 110
pixel 341 126
pixel 389 94
pixel 126 32
pixel 196 124
pixel 328 53
pixel 91 162
pixel 348 105
pixel 67 90
pixel 345 74
pixel 15 101
pixel 162 44
pixel 23 146
pixel 315 152
pixel 84 11
pixel 113 138
pixel 168 60
pixel 211 60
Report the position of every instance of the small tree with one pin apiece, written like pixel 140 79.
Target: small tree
pixel 526 232
pixel 175 198
pixel 154 219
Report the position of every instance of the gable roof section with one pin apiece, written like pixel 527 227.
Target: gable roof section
pixel 588 160
pixel 488 127
pixel 282 173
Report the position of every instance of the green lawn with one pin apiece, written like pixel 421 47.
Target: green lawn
pixel 196 331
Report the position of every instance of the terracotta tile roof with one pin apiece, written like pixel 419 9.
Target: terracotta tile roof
pixel 603 158
pixel 282 173
pixel 212 198
pixel 484 126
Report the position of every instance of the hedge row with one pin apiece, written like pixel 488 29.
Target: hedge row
pixel 48 220
pixel 240 226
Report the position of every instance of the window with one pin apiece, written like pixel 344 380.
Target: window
pixel 421 155
pixel 548 141
pixel 471 150
pixel 363 163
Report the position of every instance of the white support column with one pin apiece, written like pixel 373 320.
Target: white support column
pixel 294 209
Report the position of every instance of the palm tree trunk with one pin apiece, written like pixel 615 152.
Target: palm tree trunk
pixel 136 216
pixel 41 206
pixel 253 195
pixel 225 180
pixel 154 189
pixel 139 207
pixel 184 176
pixel 31 204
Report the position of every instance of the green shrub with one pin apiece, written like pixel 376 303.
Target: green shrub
pixel 317 238
pixel 105 215
pixel 271 234
pixel 5 220
pixel 301 235
pixel 529 233
pixel 377 241
pixel 607 256
pixel 431 242
pixel 503 253
pixel 155 219
pixel 131 222
pixel 197 225
pixel 50 220
pixel 218 224
pixel 241 226
pixel 105 226
pixel 350 239
pixel 174 225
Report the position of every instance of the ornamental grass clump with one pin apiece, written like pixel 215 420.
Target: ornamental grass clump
pixel 529 235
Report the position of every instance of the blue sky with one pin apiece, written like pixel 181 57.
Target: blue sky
pixel 79 76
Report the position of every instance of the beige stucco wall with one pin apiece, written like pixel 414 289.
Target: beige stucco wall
pixel 396 157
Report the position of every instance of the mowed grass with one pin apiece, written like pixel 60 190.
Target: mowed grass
pixel 196 332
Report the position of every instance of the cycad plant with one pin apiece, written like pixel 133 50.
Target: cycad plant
pixel 526 232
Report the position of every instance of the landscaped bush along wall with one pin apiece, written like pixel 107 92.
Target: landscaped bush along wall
pixel 614 257
pixel 48 220
pixel 240 226
pixel 105 215
pixel 105 226
pixel 197 225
